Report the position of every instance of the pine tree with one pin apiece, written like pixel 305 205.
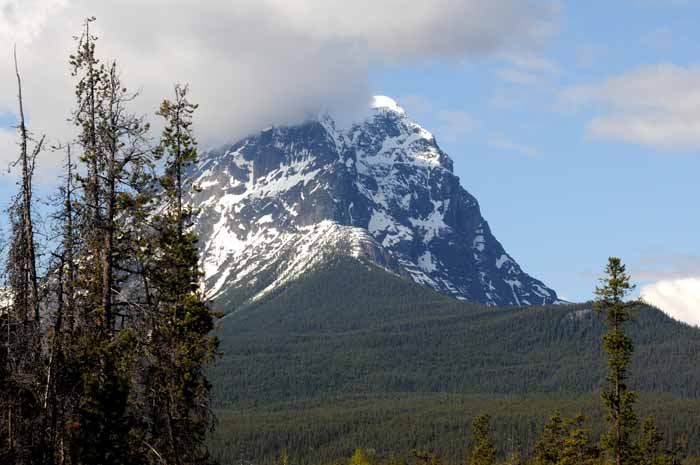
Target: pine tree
pixel 575 448
pixel 547 449
pixel 618 398
pixel 650 446
pixel 108 213
pixel 483 451
pixel 180 339
pixel 358 458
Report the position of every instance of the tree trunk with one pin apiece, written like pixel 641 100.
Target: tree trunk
pixel 27 198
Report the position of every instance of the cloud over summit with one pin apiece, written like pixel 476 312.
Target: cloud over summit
pixel 249 63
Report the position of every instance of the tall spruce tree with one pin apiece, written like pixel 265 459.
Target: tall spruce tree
pixel 181 340
pixel 117 159
pixel 619 399
pixel 483 452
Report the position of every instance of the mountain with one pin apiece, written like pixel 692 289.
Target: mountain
pixel 280 203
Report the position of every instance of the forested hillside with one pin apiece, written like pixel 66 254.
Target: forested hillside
pixel 351 354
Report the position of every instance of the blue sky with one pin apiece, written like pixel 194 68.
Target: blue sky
pixel 561 199
pixel 576 124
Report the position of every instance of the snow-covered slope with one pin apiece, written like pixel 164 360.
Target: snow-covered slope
pixel 278 203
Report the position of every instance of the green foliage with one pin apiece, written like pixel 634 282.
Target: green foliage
pixel 351 355
pixel 483 451
pixel 182 322
pixel 118 362
pixel 548 448
pixel 650 446
pixel 618 398
pixel 358 458
pixel 325 430
pixel 350 329
pixel 576 448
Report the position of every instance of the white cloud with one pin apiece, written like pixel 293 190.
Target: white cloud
pixel 664 3
pixel 517 76
pixel 656 106
pixel 534 62
pixel 528 69
pixel 679 298
pixel 417 104
pixel 502 143
pixel 22 22
pixel 662 265
pixel 451 123
pixel 588 54
pixel 454 124
pixel 250 63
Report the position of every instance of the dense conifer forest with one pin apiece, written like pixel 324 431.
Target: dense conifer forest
pixel 351 356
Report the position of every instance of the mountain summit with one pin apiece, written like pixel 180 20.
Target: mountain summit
pixel 280 203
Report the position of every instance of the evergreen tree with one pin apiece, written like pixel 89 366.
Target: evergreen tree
pixel 358 458
pixel 483 451
pixel 108 217
pixel 650 446
pixel 183 320
pixel 575 448
pixel 548 448
pixel 618 398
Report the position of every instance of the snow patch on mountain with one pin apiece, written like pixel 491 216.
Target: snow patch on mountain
pixel 388 103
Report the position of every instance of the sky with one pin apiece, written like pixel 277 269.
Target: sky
pixel 575 124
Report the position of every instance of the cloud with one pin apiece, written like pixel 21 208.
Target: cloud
pixel 679 298
pixel 528 69
pixel 533 62
pixel 588 54
pixel 249 63
pixel 663 3
pixel 509 98
pixel 417 104
pixel 22 22
pixel 451 124
pixel 502 143
pixel 656 105
pixel 672 282
pixel 660 264
pixel 454 124
pixel 517 76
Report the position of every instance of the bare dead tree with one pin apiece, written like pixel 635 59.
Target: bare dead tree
pixel 27 162
pixel 24 342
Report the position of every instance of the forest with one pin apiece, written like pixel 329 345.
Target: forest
pixel 105 330
pixel 354 357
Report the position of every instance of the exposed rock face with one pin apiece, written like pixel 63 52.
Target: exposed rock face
pixel 276 204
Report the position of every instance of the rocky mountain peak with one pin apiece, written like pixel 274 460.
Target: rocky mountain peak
pixel 278 203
